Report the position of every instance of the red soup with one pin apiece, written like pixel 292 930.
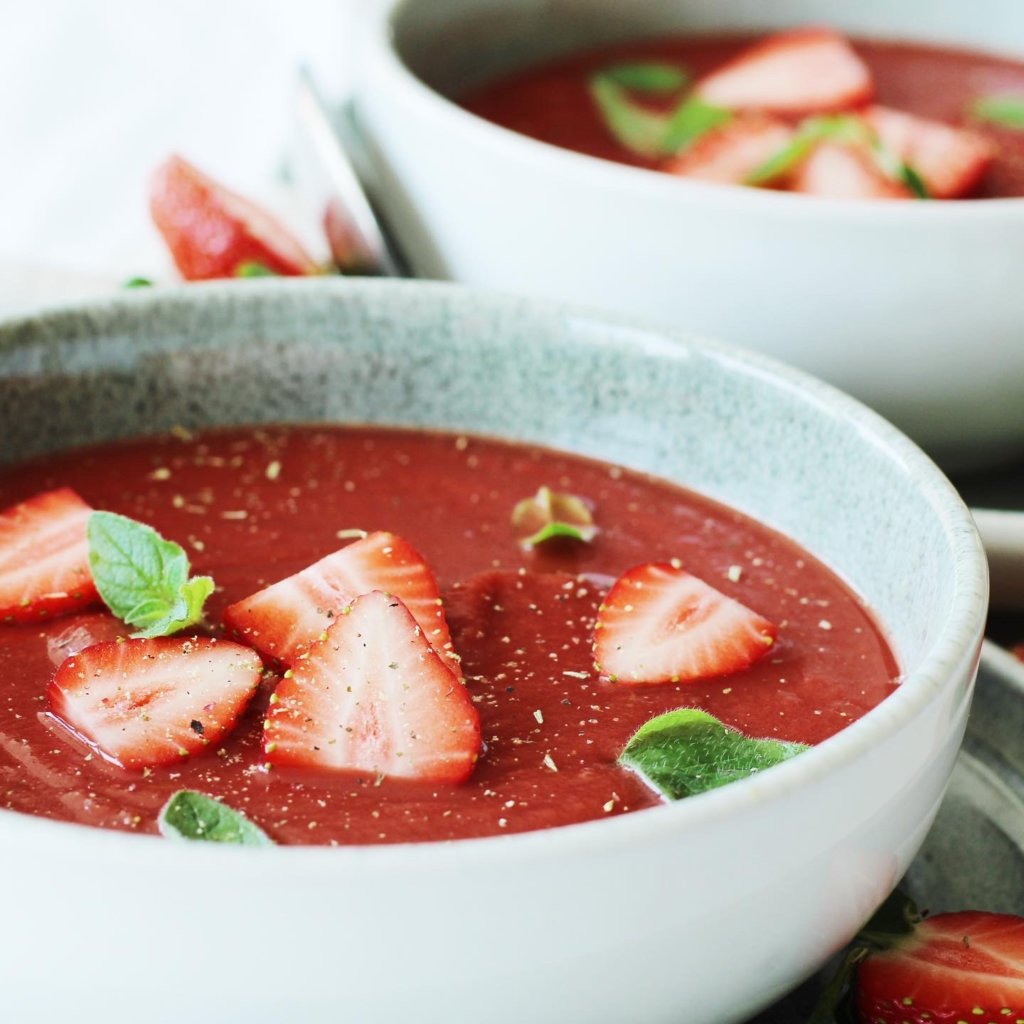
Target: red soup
pixel 805 111
pixel 252 506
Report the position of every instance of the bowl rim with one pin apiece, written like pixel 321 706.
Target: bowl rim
pixel 959 641
pixel 381 33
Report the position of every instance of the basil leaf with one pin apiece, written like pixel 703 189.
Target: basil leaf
pixel 914 182
pixel 252 268
pixel 193 816
pixel 686 752
pixel 142 578
pixel 138 282
pixel 631 125
pixel 1005 111
pixel 647 76
pixel 549 514
pixel 689 121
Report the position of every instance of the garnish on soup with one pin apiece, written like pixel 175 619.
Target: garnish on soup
pixel 194 816
pixel 686 752
pixel 377 713
pixel 143 579
pixel 805 111
pixel 549 515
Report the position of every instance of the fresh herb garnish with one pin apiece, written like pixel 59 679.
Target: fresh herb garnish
pixel 549 514
pixel 252 268
pixel 647 76
pixel 689 121
pixel 647 132
pixel 1004 111
pixel 193 816
pixel 138 282
pixel 142 578
pixel 688 751
pixel 640 130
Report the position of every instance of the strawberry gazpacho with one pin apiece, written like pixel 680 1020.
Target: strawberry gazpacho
pixel 806 111
pixel 370 635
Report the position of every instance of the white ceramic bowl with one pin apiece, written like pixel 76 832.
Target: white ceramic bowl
pixel 915 308
pixel 701 911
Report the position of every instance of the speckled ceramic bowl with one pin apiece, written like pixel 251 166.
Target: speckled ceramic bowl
pixel 701 911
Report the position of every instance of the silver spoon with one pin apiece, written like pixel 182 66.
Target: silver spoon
pixel 325 177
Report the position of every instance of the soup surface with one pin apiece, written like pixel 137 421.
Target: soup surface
pixel 252 506
pixel 552 102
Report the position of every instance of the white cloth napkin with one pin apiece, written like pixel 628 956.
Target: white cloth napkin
pixel 96 94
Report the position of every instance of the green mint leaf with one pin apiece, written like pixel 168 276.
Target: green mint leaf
pixel 252 268
pixel 689 121
pixel 138 282
pixel 1005 111
pixel 688 751
pixel 639 130
pixel 914 182
pixel 142 578
pixel 193 816
pixel 549 514
pixel 647 76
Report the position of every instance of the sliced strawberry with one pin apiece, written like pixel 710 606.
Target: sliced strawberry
pixel 807 71
pixel 953 967
pixel 80 632
pixel 950 161
pixel 373 696
pixel 212 232
pixel 837 170
pixel 285 618
pixel 732 153
pixel 44 558
pixel 659 624
pixel 149 702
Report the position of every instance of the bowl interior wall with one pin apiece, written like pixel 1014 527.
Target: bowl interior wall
pixel 712 420
pixel 453 45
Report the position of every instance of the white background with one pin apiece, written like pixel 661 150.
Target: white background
pixel 95 93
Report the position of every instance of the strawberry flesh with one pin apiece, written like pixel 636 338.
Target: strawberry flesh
pixel 806 71
pixel 374 696
pixel 950 161
pixel 836 170
pixel 659 624
pixel 142 703
pixel 211 232
pixel 284 619
pixel 44 558
pixel 730 154
pixel 967 966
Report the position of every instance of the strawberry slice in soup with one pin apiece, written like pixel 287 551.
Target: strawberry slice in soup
pixel 659 624
pixel 282 620
pixel 143 703
pixel 950 161
pixel 807 71
pixel 213 232
pixel 373 696
pixel 44 558
pixel 732 153
pixel 836 170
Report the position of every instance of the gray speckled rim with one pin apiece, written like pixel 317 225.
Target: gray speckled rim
pixel 586 333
